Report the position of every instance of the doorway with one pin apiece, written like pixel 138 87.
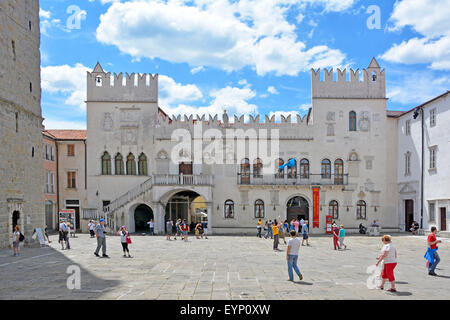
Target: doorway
pixel 142 215
pixel 185 168
pixel 297 208
pixel 443 219
pixel 409 214
pixel 15 219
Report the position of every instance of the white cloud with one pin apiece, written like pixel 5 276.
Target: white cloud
pixel 71 81
pixel 430 19
pixel 272 90
pixel 171 91
pixel 44 14
pixel 215 33
pixel 197 69
pixel 416 88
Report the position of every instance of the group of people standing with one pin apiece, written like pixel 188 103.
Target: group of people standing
pixel 182 228
pixel 277 230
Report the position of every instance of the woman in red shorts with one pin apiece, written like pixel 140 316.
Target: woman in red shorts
pixel 389 257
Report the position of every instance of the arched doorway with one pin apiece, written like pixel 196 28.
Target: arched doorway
pixel 297 207
pixel 142 215
pixel 186 205
pixel 15 219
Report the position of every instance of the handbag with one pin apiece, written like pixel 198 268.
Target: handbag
pixel 128 240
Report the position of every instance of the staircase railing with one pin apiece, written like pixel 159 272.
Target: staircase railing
pixel 129 196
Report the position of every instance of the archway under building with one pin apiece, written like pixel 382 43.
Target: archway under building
pixel 142 215
pixel 186 205
pixel 297 207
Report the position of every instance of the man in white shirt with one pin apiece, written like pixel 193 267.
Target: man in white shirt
pixel 91 226
pixel 151 224
pixel 63 231
pixel 292 255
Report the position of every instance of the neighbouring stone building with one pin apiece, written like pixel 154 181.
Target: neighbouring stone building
pixel 70 158
pixel 21 163
pixel 341 157
pixel 432 208
pixel 50 157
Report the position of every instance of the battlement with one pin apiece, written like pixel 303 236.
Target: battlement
pixel 372 85
pixel 131 88
pixel 253 121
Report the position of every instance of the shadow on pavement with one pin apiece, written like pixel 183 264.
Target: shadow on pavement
pixel 42 273
pixel 401 293
pixel 304 283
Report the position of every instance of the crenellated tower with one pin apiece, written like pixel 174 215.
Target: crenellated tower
pixel 372 85
pixel 103 87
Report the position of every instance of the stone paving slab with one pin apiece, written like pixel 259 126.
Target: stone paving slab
pixel 221 267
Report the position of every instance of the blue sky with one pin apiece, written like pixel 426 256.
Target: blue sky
pixel 245 56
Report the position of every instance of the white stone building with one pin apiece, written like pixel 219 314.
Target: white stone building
pixel 21 163
pixel 342 149
pixel 435 159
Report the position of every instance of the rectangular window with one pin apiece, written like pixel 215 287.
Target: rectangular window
pixel 432 158
pixel 71 150
pixel 432 117
pixel 52 183
pixel 408 127
pixel 71 180
pixel 431 214
pixel 52 153
pixel 407 164
pixel 47 182
pixel 46 152
pixel 13 45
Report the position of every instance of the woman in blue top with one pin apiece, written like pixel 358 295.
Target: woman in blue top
pixel 342 237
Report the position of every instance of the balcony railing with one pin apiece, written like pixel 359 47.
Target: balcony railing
pixel 291 179
pixel 183 179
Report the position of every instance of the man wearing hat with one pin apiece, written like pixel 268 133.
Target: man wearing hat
pixel 101 239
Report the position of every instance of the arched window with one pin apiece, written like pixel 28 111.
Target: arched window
pixel 245 171
pixel 279 172
pixel 338 171
pixel 106 163
pixel 304 169
pixel 259 208
pixel 361 209
pixel 333 209
pixel 326 169
pixel 229 209
pixel 292 171
pixel 352 121
pixel 118 164
pixel 257 168
pixel 142 165
pixel 131 164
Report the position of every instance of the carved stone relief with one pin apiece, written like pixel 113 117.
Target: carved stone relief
pixel 364 121
pixel 129 136
pixel 108 121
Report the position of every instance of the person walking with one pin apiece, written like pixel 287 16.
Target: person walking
pixel 389 257
pixel 258 228
pixel 46 234
pixel 205 228
pixel 63 234
pixel 151 225
pixel 178 230
pixel 266 231
pixel 342 237
pixel 292 226
pixel 292 255
pixel 305 232
pixel 335 231
pixel 169 225
pixel 16 241
pixel 91 226
pixel 296 225
pixel 68 236
pixel 301 222
pixel 276 234
pixel 185 230
pixel 100 232
pixel 198 229
pixel 432 255
pixel 281 231
pixel 125 240
pixel 269 229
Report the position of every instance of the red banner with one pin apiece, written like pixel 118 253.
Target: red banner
pixel 316 192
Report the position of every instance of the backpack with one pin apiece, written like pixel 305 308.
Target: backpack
pixel 21 237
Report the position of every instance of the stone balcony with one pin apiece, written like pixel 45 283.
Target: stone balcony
pixel 292 179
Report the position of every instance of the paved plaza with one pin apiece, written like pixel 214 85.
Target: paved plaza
pixel 221 267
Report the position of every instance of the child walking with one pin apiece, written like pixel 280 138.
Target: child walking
pixel 342 237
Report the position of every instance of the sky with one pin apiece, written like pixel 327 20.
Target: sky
pixel 242 56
